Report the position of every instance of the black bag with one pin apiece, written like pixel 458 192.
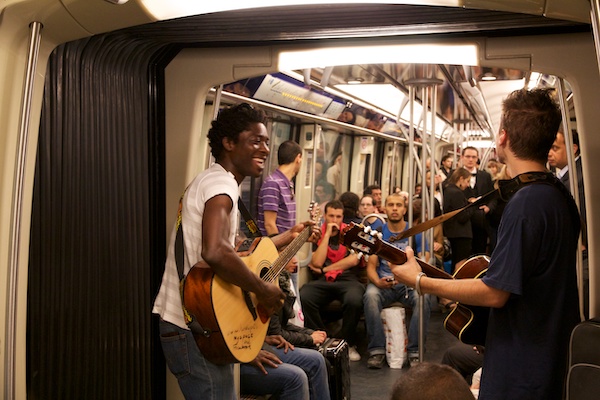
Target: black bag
pixel 583 378
pixel 338 367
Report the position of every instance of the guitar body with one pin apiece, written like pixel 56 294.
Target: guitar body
pixel 236 323
pixel 469 323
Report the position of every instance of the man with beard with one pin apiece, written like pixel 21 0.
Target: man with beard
pixel 384 290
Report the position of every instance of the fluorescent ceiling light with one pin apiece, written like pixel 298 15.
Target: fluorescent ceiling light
pixel 480 144
pixel 383 96
pixel 452 54
pixel 168 9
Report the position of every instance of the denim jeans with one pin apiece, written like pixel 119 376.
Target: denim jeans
pixel 376 299
pixel 302 376
pixel 198 378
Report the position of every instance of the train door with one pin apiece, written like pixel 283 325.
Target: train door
pixel 361 174
pixel 392 168
pixel 334 153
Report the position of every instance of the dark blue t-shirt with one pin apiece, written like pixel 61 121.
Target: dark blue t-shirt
pixel 535 260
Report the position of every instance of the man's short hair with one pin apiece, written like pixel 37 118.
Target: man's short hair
pixel 335 204
pixel 531 119
pixel 469 148
pixel 431 381
pixel 287 152
pixel 396 195
pixel 230 123
pixel 369 189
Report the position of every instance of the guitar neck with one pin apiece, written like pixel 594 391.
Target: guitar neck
pixel 397 256
pixel 286 255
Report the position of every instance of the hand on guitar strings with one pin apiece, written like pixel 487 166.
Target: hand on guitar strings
pixel 271 298
pixel 407 273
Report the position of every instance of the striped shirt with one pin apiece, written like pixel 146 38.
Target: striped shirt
pixel 276 194
pixel 208 184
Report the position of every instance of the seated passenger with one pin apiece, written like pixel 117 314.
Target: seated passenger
pixel 367 207
pixel 281 322
pixel 338 279
pixel 285 372
pixel 383 290
pixel 351 202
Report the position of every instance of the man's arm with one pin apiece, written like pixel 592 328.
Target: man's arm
pixel 320 254
pixel 468 291
pixel 220 255
pixel 372 269
pixel 271 222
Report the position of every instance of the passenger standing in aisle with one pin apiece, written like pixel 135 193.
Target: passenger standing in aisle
pixel 479 184
pixel 458 229
pixel 531 283
pixel 276 204
pixel 557 158
pixel 239 143
pixel 334 174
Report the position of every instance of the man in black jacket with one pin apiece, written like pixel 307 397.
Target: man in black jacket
pixel 282 322
pixel 481 183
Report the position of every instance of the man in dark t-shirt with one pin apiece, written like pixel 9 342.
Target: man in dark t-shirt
pixel 531 285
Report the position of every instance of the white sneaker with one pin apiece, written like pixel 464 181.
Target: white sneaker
pixel 353 354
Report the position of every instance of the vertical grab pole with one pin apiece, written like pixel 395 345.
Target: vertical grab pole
pixel 427 86
pixel 595 17
pixel 17 210
pixel 573 183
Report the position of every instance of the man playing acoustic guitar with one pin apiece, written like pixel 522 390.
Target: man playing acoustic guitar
pixel 240 144
pixel 531 281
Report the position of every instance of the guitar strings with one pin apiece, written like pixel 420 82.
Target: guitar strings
pixel 279 264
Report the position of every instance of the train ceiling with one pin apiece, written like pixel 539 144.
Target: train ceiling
pixel 476 99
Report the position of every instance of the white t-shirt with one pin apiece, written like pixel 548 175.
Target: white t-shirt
pixel 208 184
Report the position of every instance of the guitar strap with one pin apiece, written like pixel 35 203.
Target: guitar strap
pixel 506 189
pixel 190 320
pixel 250 222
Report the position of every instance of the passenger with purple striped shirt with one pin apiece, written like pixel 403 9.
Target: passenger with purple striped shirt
pixel 276 205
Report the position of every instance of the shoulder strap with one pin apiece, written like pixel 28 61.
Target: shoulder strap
pixel 250 222
pixel 179 240
pixel 190 320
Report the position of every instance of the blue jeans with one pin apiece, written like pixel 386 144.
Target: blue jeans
pixel 376 299
pixel 198 378
pixel 302 376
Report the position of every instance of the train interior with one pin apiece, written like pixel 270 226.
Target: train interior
pixel 102 139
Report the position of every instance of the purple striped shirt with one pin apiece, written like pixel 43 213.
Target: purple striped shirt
pixel 276 194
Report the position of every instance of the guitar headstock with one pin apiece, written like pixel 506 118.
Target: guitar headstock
pixel 361 239
pixel 315 212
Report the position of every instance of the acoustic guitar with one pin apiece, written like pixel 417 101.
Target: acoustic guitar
pixel 467 323
pixel 234 324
